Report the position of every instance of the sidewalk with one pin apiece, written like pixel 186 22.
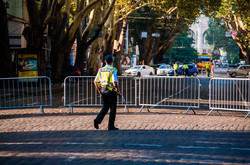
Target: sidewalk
pixel 163 136
pixel 158 119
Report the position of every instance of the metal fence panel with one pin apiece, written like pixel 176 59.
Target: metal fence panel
pixel 169 91
pixel 80 91
pixel 25 92
pixel 229 94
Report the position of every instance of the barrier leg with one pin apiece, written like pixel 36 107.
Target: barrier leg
pixel 219 113
pixel 210 112
pixel 41 110
pixel 70 109
pixel 189 109
pixel 247 115
pixel 126 108
pixel 141 108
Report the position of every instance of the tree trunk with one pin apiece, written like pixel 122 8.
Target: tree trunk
pixel 94 57
pixel 81 56
pixel 33 33
pixel 120 46
pixel 5 57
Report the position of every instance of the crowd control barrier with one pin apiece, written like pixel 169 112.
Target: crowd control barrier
pixel 229 94
pixel 81 91
pixel 25 92
pixel 169 92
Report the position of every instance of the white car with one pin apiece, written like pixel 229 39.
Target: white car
pixel 140 70
pixel 163 70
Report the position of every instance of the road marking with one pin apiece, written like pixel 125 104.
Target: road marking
pixel 247 149
pixel 144 145
pixel 143 157
pixel 69 143
pixel 69 159
pixel 201 160
pixel 21 143
pixel 74 143
pixel 198 147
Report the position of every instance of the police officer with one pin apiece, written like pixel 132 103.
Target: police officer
pixel 176 69
pixel 208 69
pixel 106 83
pixel 185 67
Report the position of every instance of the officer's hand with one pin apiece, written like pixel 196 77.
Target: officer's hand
pixel 118 93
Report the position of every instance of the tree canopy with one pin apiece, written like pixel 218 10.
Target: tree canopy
pixel 182 49
pixel 215 36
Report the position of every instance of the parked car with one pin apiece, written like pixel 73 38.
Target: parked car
pixel 140 70
pixel 192 70
pixel 163 70
pixel 242 70
pixel 224 64
pixel 156 66
pixel 69 70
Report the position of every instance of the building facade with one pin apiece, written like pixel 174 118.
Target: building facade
pixel 198 31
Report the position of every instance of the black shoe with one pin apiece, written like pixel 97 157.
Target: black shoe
pixel 114 128
pixel 96 124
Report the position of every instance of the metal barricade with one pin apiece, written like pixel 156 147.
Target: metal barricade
pixel 81 91
pixel 25 92
pixel 229 94
pixel 169 92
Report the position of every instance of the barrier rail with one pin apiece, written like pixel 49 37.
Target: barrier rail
pixel 229 94
pixel 169 92
pixel 25 92
pixel 80 91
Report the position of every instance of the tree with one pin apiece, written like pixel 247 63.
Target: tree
pixel 235 15
pixel 171 18
pixel 182 50
pixel 215 36
pixel 34 31
pixel 5 57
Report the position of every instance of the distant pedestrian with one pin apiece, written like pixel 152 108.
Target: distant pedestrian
pixel 208 69
pixel 185 67
pixel 176 69
pixel 212 70
pixel 106 83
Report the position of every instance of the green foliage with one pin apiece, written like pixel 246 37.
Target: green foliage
pixel 215 35
pixel 236 59
pixel 182 50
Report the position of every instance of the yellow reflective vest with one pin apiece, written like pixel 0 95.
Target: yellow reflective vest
pixel 185 66
pixel 105 74
pixel 175 66
pixel 207 66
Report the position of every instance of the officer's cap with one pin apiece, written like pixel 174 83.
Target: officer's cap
pixel 109 59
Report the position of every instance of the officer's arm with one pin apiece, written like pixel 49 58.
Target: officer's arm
pixel 117 88
pixel 97 86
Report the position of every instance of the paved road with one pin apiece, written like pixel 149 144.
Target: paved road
pixel 163 136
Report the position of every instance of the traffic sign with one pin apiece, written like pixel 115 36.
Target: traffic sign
pixel 144 34
pixel 234 33
pixel 228 34
pixel 155 35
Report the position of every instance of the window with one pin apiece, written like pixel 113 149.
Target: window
pixel 190 67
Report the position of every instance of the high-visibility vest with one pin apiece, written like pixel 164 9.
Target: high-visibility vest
pixel 185 66
pixel 175 66
pixel 207 66
pixel 105 74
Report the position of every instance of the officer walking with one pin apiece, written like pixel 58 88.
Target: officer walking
pixel 176 69
pixel 106 83
pixel 185 67
pixel 208 69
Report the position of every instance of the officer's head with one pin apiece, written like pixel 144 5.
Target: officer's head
pixel 109 59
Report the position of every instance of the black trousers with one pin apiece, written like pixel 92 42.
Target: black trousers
pixel 186 72
pixel 109 101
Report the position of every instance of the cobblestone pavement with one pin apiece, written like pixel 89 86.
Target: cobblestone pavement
pixel 163 136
